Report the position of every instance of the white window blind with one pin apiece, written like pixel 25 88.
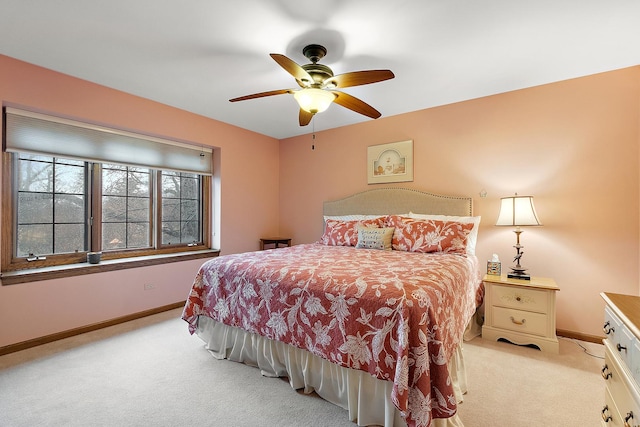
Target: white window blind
pixel 42 134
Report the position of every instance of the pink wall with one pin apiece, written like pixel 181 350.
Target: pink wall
pixel 573 145
pixel 244 181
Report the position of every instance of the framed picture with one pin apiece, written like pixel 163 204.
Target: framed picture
pixel 391 162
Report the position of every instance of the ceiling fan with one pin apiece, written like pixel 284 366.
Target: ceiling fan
pixel 318 85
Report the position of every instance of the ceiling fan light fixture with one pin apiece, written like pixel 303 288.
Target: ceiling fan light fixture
pixel 314 100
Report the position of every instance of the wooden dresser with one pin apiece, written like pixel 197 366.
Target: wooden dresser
pixel 621 370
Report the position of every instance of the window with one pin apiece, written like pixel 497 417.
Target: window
pixel 64 205
pixel 180 208
pixel 51 211
pixel 126 207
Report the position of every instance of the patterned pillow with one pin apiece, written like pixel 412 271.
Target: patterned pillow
pixel 416 235
pixel 473 236
pixel 375 238
pixel 345 233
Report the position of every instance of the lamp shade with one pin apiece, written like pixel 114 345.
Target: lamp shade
pixel 517 211
pixel 314 100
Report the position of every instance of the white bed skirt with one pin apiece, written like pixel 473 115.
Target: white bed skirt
pixel 367 399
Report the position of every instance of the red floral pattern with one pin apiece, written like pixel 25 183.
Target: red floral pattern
pixel 345 233
pixel 397 315
pixel 419 235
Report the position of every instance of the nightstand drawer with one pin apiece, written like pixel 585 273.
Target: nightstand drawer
pixel 520 298
pixel 519 321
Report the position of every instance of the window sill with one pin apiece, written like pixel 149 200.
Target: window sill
pixel 57 272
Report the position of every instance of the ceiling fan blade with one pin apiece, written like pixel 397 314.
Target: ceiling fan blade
pixel 262 94
pixel 357 78
pixel 300 74
pixel 355 104
pixel 305 117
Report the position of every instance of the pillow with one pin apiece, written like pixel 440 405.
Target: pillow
pixel 417 235
pixel 473 236
pixel 375 238
pixel 345 233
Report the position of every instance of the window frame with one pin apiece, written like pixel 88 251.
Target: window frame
pixel 18 270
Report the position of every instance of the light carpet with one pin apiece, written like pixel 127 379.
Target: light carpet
pixel 151 372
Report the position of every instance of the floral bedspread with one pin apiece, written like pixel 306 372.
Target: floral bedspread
pixel 397 315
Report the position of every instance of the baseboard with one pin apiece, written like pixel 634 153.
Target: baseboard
pixel 12 348
pixel 579 336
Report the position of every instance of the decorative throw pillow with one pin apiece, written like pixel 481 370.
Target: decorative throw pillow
pixel 416 235
pixel 345 233
pixel 375 238
pixel 473 236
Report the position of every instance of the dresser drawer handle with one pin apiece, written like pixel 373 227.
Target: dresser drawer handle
pixel 627 418
pixel 605 372
pixel 605 416
pixel 620 347
pixel 518 322
pixel 608 329
pixel 518 298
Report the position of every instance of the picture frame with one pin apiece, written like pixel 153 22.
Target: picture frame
pixel 391 162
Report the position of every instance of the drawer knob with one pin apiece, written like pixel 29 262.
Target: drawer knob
pixel 518 322
pixel 605 372
pixel 607 328
pixel 620 347
pixel 605 414
pixel 627 418
pixel 518 298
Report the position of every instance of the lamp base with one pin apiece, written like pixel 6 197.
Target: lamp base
pixel 518 273
pixel 518 276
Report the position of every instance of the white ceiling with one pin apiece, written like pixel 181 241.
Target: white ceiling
pixel 197 54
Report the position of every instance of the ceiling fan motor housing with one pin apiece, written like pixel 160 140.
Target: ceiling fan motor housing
pixel 319 72
pixel 314 52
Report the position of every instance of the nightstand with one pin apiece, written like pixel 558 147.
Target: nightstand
pixel 521 311
pixel 277 242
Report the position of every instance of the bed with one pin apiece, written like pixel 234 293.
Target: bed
pixel 377 332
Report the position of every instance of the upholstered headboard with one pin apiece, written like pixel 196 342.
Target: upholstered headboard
pixel 381 201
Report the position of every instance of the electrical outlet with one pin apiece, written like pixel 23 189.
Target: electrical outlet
pixel 148 286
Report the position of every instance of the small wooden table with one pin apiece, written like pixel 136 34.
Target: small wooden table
pixel 277 242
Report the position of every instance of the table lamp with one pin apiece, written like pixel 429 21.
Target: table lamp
pixel 518 211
